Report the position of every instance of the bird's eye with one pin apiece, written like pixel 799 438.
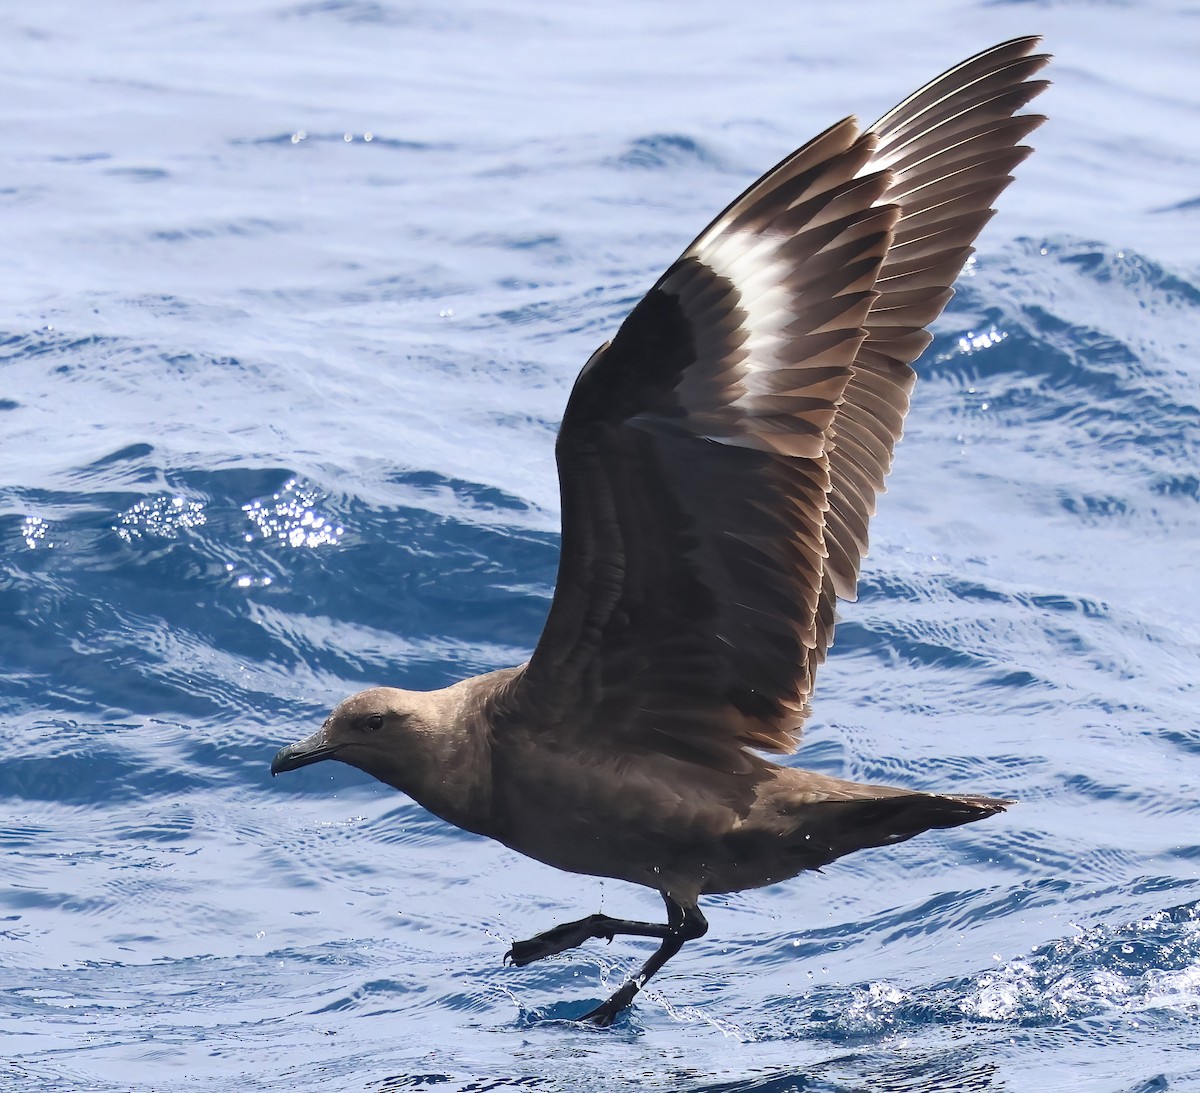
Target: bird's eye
pixel 375 721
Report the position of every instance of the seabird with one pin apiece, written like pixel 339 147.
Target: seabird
pixel 719 460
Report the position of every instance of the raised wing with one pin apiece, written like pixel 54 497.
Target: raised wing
pixel 715 474
pixel 950 149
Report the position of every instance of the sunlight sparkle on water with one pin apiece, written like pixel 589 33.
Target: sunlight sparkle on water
pixel 290 517
pixel 162 517
pixel 33 531
pixel 973 342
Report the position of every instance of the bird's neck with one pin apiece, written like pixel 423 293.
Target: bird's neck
pixel 446 765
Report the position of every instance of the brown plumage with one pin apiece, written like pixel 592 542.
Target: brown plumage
pixel 719 461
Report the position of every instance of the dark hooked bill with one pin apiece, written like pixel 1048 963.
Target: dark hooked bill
pixel 312 749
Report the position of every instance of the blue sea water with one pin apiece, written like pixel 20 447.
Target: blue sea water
pixel 293 293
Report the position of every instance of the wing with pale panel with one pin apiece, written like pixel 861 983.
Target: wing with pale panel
pixel 715 470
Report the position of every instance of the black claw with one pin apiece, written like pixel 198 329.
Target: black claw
pixel 526 952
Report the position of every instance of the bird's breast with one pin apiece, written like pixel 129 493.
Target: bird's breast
pixel 649 821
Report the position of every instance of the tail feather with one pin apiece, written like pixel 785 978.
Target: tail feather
pixel 827 830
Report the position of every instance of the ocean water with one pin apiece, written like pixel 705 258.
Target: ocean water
pixel 293 293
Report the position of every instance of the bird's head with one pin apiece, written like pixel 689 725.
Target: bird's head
pixel 369 731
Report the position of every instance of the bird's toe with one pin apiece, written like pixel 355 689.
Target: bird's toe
pixel 601 1017
pixel 554 941
pixel 526 952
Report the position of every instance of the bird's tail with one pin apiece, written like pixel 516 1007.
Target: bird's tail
pixel 829 829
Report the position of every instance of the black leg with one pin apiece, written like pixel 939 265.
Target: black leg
pixel 683 924
pixel 560 938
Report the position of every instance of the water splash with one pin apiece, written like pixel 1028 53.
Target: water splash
pixel 1149 964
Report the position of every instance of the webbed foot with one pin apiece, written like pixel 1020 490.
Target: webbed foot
pixel 558 939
